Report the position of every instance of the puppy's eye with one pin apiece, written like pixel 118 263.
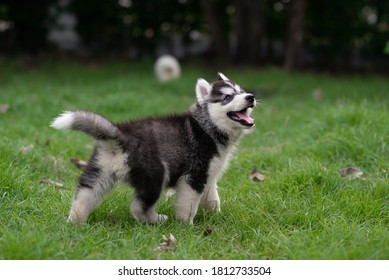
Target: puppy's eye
pixel 227 97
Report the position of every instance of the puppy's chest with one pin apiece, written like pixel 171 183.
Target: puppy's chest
pixel 219 163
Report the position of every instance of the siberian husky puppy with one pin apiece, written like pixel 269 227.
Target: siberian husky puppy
pixel 187 152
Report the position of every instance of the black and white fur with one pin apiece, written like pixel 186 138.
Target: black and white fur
pixel 187 152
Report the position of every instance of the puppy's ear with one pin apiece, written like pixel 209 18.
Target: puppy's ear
pixel 203 90
pixel 222 77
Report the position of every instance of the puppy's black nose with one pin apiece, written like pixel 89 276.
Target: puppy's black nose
pixel 250 98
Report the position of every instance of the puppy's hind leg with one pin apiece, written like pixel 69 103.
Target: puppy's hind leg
pixel 143 210
pixel 94 183
pixel 148 190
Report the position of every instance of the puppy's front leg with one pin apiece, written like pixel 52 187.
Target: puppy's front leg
pixel 210 199
pixel 187 202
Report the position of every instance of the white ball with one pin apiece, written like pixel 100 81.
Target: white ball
pixel 167 68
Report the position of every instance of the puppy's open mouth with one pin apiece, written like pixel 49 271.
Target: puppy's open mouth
pixel 241 117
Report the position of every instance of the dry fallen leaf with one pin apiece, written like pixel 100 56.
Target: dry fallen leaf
pixel 78 163
pixel 168 243
pixel 208 231
pixel 256 176
pixel 45 180
pixel 4 108
pixel 351 172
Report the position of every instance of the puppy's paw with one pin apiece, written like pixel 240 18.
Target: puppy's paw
pixel 185 219
pixel 212 205
pixel 75 219
pixel 162 218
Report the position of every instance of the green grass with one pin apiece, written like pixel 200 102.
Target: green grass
pixel 303 210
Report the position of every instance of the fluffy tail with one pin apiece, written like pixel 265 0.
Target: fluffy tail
pixel 90 123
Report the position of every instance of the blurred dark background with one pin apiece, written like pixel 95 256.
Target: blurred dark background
pixel 346 35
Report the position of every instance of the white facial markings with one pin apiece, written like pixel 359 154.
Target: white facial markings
pixel 238 88
pixel 227 90
pixel 229 97
pixel 218 114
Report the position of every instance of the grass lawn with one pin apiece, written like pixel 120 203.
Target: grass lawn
pixel 308 127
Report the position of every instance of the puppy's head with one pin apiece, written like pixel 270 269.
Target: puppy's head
pixel 228 104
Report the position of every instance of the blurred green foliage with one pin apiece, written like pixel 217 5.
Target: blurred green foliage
pixel 335 31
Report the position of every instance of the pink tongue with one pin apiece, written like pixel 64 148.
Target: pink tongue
pixel 244 116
